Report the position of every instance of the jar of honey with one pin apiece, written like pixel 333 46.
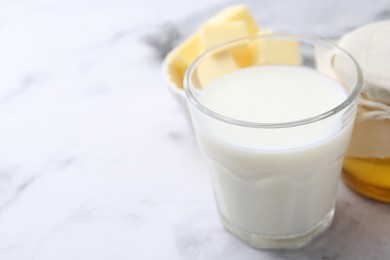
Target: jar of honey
pixel 367 163
pixel 364 169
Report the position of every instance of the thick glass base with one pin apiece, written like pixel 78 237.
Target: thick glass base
pixel 279 242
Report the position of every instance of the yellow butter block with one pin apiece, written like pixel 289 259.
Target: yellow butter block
pixel 247 55
pixel 182 57
pixel 372 171
pixel 212 35
pixel 230 23
pixel 236 13
pixel 189 50
pixel 177 68
pixel 214 67
pixel 274 51
pixel 243 55
pixel 176 75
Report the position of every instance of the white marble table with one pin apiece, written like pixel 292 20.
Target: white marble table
pixel 96 160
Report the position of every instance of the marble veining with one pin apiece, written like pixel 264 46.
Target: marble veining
pixel 97 160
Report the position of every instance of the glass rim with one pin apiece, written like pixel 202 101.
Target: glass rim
pixel 188 84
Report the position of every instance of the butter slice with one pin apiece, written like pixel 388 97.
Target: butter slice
pixel 175 70
pixel 182 57
pixel 236 13
pixel 230 21
pixel 247 54
pixel 214 67
pixel 179 68
pixel 275 51
pixel 188 51
pixel 212 35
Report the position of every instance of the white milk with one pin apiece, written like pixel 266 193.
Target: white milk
pixel 274 182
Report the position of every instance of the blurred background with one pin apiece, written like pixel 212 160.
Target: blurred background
pixel 96 158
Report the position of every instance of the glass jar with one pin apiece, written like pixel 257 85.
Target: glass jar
pixel 370 177
pixel 367 166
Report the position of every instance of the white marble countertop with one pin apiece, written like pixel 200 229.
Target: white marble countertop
pixel 97 161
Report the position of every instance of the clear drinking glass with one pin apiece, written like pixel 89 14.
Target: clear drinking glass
pixel 271 195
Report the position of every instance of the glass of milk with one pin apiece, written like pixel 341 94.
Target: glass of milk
pixel 273 130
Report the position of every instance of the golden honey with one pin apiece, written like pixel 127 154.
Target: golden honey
pixel 370 177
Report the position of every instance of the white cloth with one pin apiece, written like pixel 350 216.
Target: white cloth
pixel 370 46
